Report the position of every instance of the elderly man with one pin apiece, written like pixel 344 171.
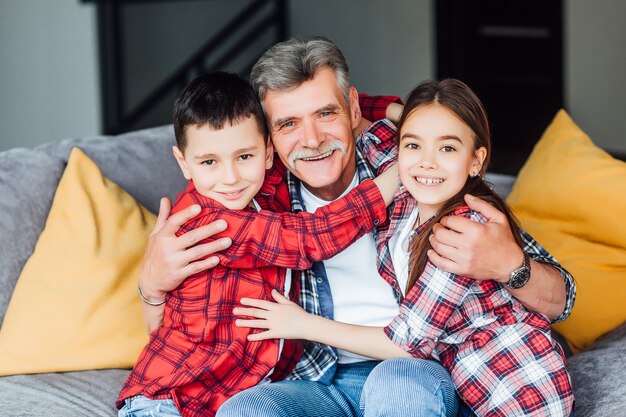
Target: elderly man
pixel 312 111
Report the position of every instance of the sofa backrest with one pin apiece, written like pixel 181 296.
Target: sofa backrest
pixel 141 162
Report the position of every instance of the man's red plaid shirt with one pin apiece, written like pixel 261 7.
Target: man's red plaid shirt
pixel 199 358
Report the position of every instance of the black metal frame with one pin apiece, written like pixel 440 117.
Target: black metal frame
pixel 116 118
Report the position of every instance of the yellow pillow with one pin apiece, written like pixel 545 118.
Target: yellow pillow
pixel 75 306
pixel 571 196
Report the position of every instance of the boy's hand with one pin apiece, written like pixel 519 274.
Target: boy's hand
pixel 169 259
pixel 283 319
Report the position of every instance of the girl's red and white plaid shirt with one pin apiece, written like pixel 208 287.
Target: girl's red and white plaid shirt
pixel 501 356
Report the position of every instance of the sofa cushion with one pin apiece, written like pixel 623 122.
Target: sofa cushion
pixel 599 376
pixel 571 196
pixel 75 305
pixel 140 162
pixel 70 394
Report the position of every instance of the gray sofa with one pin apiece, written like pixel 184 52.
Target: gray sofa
pixel 141 163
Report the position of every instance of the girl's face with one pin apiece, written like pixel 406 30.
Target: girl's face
pixel 436 156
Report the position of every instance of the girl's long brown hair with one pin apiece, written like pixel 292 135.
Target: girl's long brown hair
pixel 458 98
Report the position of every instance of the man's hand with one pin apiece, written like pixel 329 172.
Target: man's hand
pixel 489 251
pixel 477 250
pixel 169 259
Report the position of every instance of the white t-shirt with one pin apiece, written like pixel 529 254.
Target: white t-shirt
pixel 360 295
pixel 399 248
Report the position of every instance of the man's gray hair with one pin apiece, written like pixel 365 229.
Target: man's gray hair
pixel 290 63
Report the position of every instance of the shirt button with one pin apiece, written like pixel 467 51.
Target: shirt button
pixel 319 280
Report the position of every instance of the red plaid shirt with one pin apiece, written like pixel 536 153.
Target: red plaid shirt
pixel 375 107
pixel 199 358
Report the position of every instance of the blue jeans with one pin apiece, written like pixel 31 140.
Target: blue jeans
pixel 140 406
pixel 395 387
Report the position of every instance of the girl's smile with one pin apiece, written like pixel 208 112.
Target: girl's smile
pixel 436 156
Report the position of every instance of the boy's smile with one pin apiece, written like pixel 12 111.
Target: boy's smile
pixel 228 164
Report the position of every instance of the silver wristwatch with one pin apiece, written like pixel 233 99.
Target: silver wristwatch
pixel 521 275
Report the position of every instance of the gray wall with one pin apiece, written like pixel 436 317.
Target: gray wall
pixel 595 69
pixel 48 71
pixel 389 44
pixel 49 85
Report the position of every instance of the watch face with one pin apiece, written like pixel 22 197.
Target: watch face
pixel 519 278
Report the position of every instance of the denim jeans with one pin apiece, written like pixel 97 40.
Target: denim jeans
pixel 140 406
pixel 395 387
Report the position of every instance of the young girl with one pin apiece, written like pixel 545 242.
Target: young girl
pixel 501 356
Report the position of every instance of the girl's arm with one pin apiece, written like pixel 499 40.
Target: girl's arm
pixel 423 317
pixel 287 320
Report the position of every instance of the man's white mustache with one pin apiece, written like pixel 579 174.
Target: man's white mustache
pixel 325 147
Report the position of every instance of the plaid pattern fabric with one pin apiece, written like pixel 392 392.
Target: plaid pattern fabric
pixel 199 358
pixel 501 356
pixel 375 107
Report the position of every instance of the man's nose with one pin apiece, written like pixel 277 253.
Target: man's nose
pixel 311 136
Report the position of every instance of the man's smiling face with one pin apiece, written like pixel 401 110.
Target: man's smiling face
pixel 311 128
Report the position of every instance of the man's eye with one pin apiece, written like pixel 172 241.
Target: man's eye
pixel 448 148
pixel 287 125
pixel 208 162
pixel 245 156
pixel 326 113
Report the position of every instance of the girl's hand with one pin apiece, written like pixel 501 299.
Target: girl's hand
pixel 283 319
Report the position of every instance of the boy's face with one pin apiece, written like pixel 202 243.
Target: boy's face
pixel 227 165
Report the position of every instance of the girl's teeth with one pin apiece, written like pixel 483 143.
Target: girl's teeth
pixel 429 181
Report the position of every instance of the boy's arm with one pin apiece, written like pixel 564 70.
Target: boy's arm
pixel 296 240
pixel 423 316
pixel 166 241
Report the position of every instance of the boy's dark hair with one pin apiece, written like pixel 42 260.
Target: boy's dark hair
pixel 216 99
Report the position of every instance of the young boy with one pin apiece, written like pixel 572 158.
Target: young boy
pixel 198 358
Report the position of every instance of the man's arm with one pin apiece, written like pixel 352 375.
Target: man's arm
pixel 380 107
pixel 489 251
pixel 169 259
pixel 302 238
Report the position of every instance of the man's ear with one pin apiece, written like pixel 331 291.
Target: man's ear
pixel 355 109
pixel 181 162
pixel 269 154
